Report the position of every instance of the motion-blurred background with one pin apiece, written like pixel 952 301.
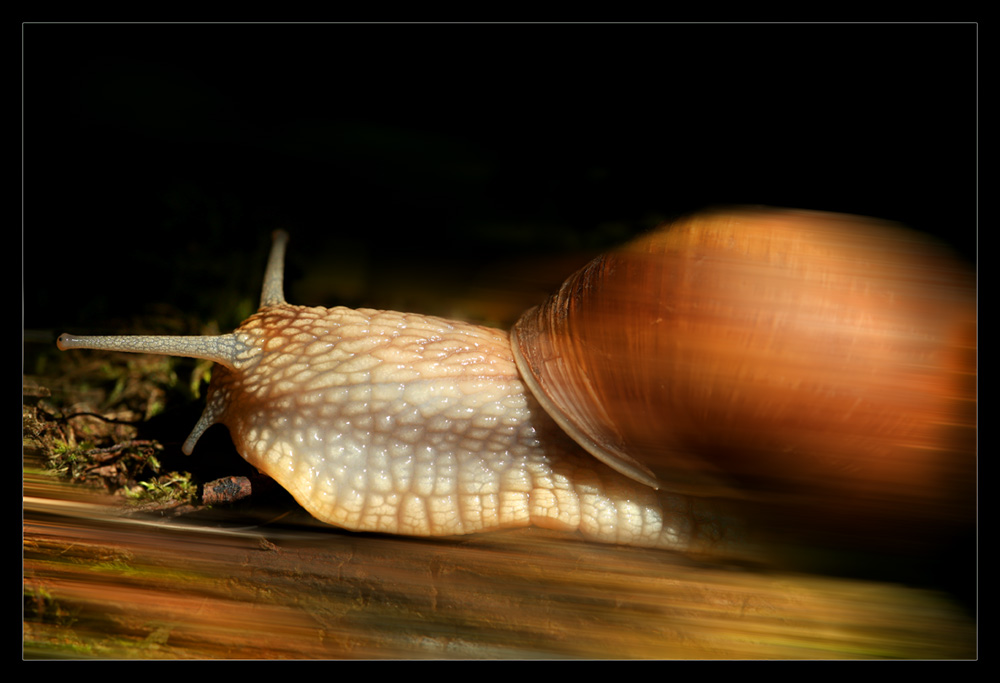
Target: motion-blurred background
pixel 464 170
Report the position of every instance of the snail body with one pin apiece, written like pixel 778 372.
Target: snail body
pixel 756 355
pixel 407 424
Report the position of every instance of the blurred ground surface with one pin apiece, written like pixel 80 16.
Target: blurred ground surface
pixel 107 576
pixel 97 585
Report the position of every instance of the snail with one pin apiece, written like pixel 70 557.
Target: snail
pixel 773 359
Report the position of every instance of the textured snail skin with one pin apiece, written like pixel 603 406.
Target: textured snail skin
pixel 409 424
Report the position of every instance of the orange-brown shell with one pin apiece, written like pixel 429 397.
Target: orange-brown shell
pixel 765 353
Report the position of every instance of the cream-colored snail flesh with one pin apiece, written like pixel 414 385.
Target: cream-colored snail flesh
pixel 749 355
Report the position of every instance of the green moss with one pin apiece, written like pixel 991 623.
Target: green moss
pixel 174 487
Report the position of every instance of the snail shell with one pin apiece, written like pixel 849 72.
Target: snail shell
pixel 735 354
pixel 820 364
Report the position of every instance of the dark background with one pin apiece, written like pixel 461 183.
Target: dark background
pixel 430 166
